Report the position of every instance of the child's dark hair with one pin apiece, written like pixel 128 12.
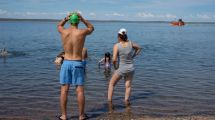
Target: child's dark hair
pixel 107 55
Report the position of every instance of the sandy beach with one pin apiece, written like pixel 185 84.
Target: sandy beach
pixel 128 117
pixel 132 117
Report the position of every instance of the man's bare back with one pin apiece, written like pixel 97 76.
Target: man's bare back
pixel 73 39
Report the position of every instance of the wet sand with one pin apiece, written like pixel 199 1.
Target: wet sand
pixel 143 118
pixel 122 116
pixel 131 117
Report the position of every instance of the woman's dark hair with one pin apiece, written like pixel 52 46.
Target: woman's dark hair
pixel 124 37
pixel 107 55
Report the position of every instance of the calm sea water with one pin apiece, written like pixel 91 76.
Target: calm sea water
pixel 175 73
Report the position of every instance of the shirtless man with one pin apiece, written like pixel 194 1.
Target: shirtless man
pixel 72 69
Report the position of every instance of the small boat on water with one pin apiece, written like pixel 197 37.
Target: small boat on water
pixel 180 22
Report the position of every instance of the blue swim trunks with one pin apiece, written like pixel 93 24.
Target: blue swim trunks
pixel 72 72
pixel 84 63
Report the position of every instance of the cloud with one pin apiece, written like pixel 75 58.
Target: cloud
pixel 170 16
pixel 151 15
pixel 171 4
pixel 203 16
pixel 30 14
pixel 3 12
pixel 115 14
pixel 92 14
pixel 145 14
pixel 139 16
pixel 36 13
pixel 78 11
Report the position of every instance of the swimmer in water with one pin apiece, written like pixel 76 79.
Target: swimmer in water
pixel 60 57
pixel 106 61
pixel 3 52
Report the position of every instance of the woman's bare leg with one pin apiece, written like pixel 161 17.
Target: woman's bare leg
pixel 128 80
pixel 115 78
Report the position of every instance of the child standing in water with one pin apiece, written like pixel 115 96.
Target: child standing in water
pixel 106 61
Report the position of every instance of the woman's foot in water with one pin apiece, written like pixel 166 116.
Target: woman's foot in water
pixel 127 103
pixel 110 106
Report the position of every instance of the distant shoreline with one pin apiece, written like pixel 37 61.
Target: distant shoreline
pixel 57 20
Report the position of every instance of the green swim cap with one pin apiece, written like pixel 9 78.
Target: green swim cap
pixel 73 19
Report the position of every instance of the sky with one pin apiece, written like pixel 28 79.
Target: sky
pixel 128 10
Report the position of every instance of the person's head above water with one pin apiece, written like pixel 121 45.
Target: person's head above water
pixel 122 34
pixel 107 54
pixel 74 19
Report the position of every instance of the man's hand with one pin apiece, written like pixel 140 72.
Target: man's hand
pixel 90 27
pixel 62 23
pixel 67 17
pixel 80 17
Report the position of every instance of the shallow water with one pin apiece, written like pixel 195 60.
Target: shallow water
pixel 174 73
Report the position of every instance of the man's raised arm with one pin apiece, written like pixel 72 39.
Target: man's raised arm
pixel 90 27
pixel 61 24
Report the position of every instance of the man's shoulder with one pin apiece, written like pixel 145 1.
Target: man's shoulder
pixel 79 30
pixel 85 31
pixel 82 29
pixel 69 31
